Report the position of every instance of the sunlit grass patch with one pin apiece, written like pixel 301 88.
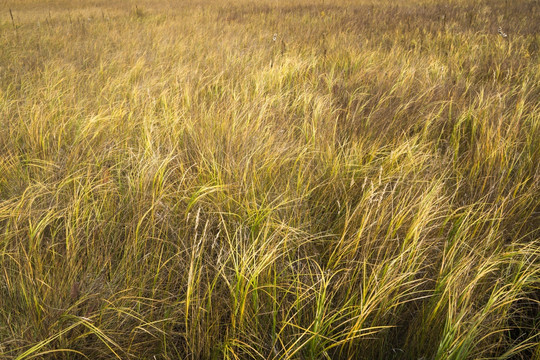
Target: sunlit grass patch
pixel 268 180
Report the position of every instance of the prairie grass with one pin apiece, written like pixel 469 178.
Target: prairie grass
pixel 177 182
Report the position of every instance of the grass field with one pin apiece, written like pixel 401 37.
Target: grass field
pixel 269 179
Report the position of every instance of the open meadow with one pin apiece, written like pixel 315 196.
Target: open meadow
pixel 212 179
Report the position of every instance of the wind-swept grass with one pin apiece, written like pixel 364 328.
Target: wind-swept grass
pixel 269 180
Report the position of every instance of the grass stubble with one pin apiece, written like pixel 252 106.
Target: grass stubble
pixel 269 180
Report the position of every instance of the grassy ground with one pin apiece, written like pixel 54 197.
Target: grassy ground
pixel 269 179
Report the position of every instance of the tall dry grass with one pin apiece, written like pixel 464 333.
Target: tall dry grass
pixel 175 183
